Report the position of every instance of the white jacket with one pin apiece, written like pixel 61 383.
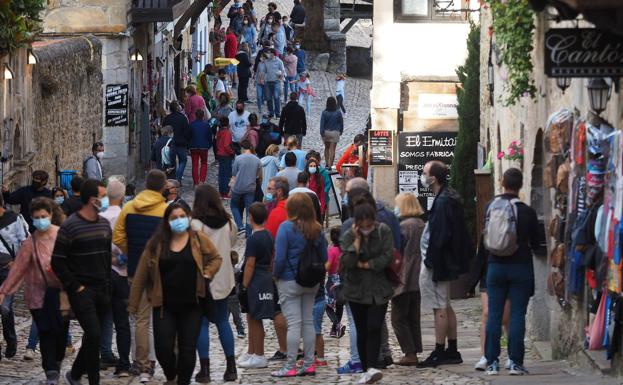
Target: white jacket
pixel 224 240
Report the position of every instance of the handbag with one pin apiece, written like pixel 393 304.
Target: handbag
pixel 393 271
pixel 5 259
pixel 49 317
pixel 207 304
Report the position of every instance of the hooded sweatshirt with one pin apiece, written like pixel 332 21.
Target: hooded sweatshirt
pixel 137 222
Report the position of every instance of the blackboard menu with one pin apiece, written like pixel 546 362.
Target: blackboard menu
pixel 415 149
pixel 381 149
pixel 116 105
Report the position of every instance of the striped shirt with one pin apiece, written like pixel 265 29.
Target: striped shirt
pixel 82 252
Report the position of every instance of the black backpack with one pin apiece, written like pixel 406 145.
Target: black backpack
pixel 310 270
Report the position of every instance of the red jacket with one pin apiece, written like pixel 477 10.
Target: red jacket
pixel 231 45
pixel 223 143
pixel 277 216
pixel 316 184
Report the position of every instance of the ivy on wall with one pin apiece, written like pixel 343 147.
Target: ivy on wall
pixel 462 177
pixel 19 23
pixel 513 29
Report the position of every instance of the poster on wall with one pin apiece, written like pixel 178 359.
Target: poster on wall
pixel 437 107
pixel 415 149
pixel 116 105
pixel 381 148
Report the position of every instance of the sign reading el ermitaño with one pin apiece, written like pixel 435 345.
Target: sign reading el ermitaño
pixel 583 52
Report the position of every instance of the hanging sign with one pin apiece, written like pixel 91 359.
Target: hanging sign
pixel 583 52
pixel 116 105
pixel 415 149
pixel 437 106
pixel 381 148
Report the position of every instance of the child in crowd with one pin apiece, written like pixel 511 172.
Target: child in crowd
pixel 335 308
pixel 306 93
pixel 225 156
pixel 340 85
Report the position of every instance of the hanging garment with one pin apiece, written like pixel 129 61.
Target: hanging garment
pixel 597 331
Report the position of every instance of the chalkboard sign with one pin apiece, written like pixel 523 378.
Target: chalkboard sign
pixel 583 52
pixel 415 149
pixel 381 149
pixel 116 105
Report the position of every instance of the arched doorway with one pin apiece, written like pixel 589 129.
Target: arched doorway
pixel 537 190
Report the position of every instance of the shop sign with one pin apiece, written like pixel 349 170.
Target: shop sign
pixel 415 149
pixel 437 106
pixel 116 108
pixel 381 148
pixel 583 52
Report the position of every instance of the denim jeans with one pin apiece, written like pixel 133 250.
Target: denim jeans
pixel 352 329
pixel 297 305
pixel 240 202
pixel 8 317
pixel 224 173
pixel 260 90
pixel 273 97
pixel 514 282
pixel 305 101
pixel 106 342
pixel 182 158
pixel 288 87
pixel 225 334
pixel 33 336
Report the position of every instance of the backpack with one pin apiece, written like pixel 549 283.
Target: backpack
pixel 310 270
pixel 84 165
pixel 264 139
pixel 165 154
pixel 500 234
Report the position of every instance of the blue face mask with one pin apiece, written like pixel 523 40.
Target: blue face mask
pixel 59 200
pixel 312 170
pixel 268 197
pixel 397 211
pixel 41 224
pixel 104 203
pixel 179 225
pixel 345 200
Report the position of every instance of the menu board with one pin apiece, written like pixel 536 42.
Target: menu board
pixel 415 149
pixel 116 105
pixel 381 148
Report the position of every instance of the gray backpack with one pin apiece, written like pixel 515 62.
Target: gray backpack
pixel 500 235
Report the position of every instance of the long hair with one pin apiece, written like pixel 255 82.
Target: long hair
pixel 300 210
pixel 161 238
pixel 208 204
pixel 316 176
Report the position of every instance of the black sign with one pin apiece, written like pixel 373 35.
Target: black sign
pixel 415 149
pixel 583 52
pixel 117 105
pixel 381 149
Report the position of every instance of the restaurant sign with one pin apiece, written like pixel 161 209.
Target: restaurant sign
pixel 583 52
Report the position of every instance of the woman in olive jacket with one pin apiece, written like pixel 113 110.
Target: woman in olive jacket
pixel 367 249
pixel 175 269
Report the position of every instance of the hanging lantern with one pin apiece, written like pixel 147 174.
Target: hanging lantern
pixel 563 83
pixel 136 56
pixel 598 94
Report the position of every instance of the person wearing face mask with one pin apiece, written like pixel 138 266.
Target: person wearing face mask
pixel 367 248
pixel 272 12
pixel 297 16
pixel 82 261
pixel 272 71
pixel 316 184
pixel 176 269
pixel 59 195
pixel 92 165
pixel 172 195
pixel 221 87
pixel 266 28
pixel 300 54
pixel 446 250
pixel 24 195
pixel 42 288
pixel 249 33
pixel 279 38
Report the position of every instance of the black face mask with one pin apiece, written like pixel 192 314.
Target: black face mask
pixel 240 110
pixel 166 193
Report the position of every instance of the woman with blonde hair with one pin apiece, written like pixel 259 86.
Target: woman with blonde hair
pixel 270 165
pixel 406 301
pixel 300 235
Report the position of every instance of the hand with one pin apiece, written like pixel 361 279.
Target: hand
pixel 357 242
pixel 2 298
pixel 80 289
pixel 363 265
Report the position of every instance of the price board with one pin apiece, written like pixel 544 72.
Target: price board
pixel 381 147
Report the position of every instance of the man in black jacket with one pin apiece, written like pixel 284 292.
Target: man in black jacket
pixel 446 250
pixel 293 120
pixel 181 136
pixel 24 195
pixel 297 16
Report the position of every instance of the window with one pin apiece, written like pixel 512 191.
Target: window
pixel 430 10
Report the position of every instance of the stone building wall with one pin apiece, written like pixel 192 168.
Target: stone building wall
pixel 67 101
pixel 90 16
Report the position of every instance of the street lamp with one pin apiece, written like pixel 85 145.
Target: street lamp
pixel 598 94
pixel 32 59
pixel 563 83
pixel 8 73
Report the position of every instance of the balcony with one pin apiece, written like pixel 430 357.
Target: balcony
pixel 150 11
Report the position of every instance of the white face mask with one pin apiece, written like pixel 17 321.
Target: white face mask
pixel 100 155
pixel 425 181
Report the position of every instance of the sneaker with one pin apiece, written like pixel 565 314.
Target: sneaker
pixel 517 370
pixel 107 362
pixel 241 232
pixel 493 369
pixel 371 376
pixel 244 357
pixel 350 368
pixel 509 364
pixel 283 372
pixel 306 371
pixel 481 365
pixel 255 362
pixel 52 377
pixel 320 362
pixel 11 349
pixel 71 381
pixel 29 355
pixel 278 356
pixel 144 377
pixel 452 358
pixel 121 373
pixel 241 334
pixel 333 332
pixel 341 331
pixel 433 360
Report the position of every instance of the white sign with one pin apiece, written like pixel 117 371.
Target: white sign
pixel 437 106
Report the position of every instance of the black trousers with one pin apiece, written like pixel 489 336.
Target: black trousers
pixel 368 321
pixel 120 317
pixel 243 86
pixel 406 321
pixel 52 345
pixel 90 307
pixel 183 326
pixel 340 103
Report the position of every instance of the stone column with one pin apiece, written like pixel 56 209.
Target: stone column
pixel 322 32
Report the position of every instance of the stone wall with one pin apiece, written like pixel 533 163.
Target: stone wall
pixel 322 32
pixel 70 16
pixel 67 101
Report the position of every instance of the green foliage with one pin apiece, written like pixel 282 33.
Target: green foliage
pixel 19 23
pixel 462 177
pixel 513 27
